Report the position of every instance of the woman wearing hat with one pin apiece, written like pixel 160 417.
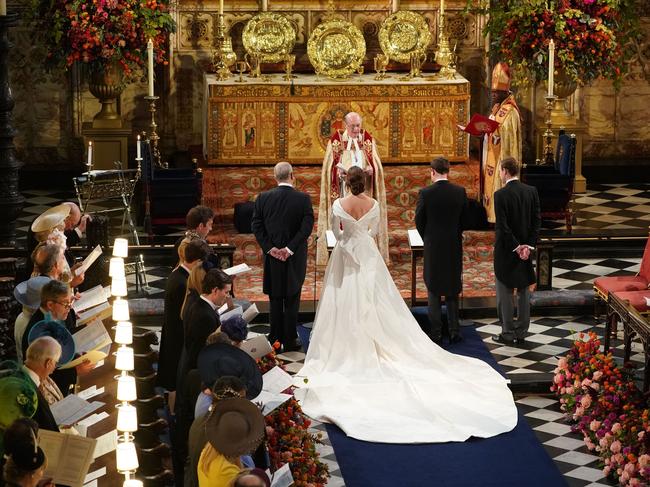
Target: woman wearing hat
pixel 235 427
pixel 28 294
pixel 25 460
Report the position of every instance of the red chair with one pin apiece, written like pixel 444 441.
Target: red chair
pixel 620 284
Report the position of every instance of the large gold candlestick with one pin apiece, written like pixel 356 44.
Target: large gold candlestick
pixel 153 134
pixel 549 158
pixel 444 55
pixel 222 57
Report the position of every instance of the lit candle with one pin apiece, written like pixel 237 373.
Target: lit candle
pixel 220 7
pixel 150 65
pixel 551 66
pixel 3 7
pixel 90 153
pixel 139 154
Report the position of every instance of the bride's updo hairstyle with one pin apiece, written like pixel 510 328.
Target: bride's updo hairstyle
pixel 356 181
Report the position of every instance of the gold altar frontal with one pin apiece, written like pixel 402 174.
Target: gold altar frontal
pixel 263 122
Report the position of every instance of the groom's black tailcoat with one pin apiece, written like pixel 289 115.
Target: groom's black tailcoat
pixel 283 217
pixel 439 217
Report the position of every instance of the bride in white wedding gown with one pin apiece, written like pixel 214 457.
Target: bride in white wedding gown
pixel 371 370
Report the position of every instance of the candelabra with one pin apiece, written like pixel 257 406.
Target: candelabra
pixel 549 159
pixel 223 56
pixel 11 201
pixel 444 55
pixel 153 135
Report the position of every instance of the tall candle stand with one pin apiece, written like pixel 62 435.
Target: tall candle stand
pixel 11 201
pixel 153 135
pixel 219 61
pixel 549 158
pixel 444 55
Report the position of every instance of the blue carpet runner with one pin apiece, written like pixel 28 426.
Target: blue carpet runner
pixel 514 459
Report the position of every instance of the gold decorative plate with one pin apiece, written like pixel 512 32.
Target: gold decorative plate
pixel 336 48
pixel 270 36
pixel 402 34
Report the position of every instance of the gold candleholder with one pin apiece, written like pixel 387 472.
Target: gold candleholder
pixel 224 57
pixel 253 63
pixel 417 60
pixel 153 134
pixel 241 67
pixel 444 56
pixel 549 158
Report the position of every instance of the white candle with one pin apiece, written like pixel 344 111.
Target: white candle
pixel 442 8
pixel 395 6
pixel 220 7
pixel 90 153
pixel 551 66
pixel 139 155
pixel 150 65
pixel 3 7
pixel 265 5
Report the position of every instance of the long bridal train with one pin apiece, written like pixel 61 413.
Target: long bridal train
pixel 372 371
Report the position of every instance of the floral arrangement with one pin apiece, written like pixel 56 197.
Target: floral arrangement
pixel 590 36
pixel 288 437
pixel 99 33
pixel 605 406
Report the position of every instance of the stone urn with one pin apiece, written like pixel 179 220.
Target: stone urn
pixel 106 85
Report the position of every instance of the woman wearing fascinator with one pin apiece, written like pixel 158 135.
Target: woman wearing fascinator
pixel 25 461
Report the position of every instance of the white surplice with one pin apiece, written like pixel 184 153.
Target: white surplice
pixel 372 371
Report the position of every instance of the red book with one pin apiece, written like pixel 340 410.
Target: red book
pixel 480 125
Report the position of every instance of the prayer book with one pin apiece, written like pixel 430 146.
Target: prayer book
pixel 479 125
pixel 68 456
pixel 98 312
pixel 276 380
pixel 237 269
pixel 257 346
pixel 90 298
pixel 72 409
pixel 282 477
pixel 89 260
pixel 331 239
pixel 88 343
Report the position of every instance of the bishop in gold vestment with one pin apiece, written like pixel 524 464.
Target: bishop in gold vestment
pixel 350 147
pixel 505 141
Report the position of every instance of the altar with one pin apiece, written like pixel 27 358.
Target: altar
pixel 269 119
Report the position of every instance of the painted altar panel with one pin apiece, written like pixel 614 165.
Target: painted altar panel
pixel 265 122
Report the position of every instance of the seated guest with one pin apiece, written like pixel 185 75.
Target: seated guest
pixel 255 477
pixel 223 388
pixel 171 342
pixel 41 360
pixel 28 294
pixel 49 260
pixel 25 460
pixel 236 328
pixel 17 395
pixel 220 360
pixel 234 427
pixel 75 224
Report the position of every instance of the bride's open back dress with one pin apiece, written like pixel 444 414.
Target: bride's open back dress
pixel 372 371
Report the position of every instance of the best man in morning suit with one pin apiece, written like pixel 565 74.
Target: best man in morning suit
pixel 282 222
pixel 439 218
pixel 517 228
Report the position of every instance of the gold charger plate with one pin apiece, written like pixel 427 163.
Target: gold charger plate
pixel 402 34
pixel 270 36
pixel 336 48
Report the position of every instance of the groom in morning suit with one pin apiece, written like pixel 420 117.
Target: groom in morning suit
pixel 282 222
pixel 439 217
pixel 517 227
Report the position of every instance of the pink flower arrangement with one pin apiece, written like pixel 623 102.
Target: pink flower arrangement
pixel 607 408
